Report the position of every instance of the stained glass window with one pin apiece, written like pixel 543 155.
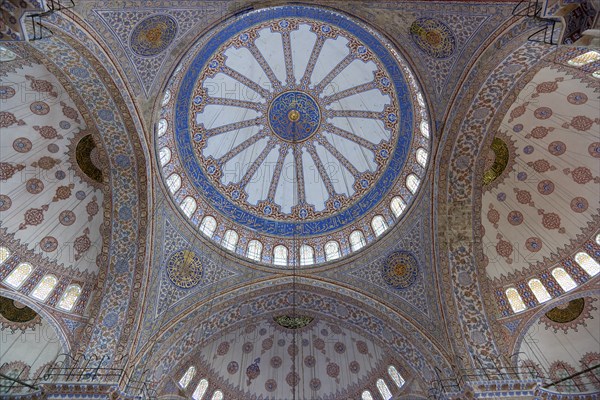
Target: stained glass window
pixel 366 395
pixel 164 155
pixel 230 240
pixel 208 225
pixel 187 377
pixel 425 129
pixel 217 395
pixel 4 254
pixel 378 224
pixel 422 156
pixel 161 128
pixel 166 98
pixel 357 240
pixel 174 182
pixel 540 292
pixel 200 389
pixel 596 74
pixel 254 251
pixel 395 375
pixel 413 182
pixel 332 251
pixel 397 205
pixel 585 58
pixel 307 255
pixel 515 300
pixel 586 262
pixel 19 275
pixel 564 280
pixel 598 239
pixel 280 255
pixel 383 389
pixel 43 289
pixel 188 206
pixel 69 297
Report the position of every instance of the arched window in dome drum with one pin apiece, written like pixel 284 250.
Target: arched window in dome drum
pixel 585 58
pixel 586 262
pixel 425 129
pixel 4 254
pixel 164 156
pixel 217 395
pixel 598 239
pixel 200 389
pixel 307 255
pixel 397 205
pixel 208 225
pixel 378 224
pixel 422 156
pixel 357 240
pixel 187 377
pixel 413 182
pixel 280 255
pixel 230 240
pixel 332 251
pixel 174 182
pixel 161 127
pixel 564 280
pixel 539 291
pixel 69 297
pixel 395 375
pixel 383 389
pixel 188 206
pixel 19 275
pixel 366 395
pixel 43 289
pixel 166 98
pixel 515 300
pixel 254 251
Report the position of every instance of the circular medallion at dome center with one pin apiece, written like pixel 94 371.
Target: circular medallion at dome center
pixel 294 116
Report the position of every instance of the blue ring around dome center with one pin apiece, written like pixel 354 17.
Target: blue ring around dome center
pixel 294 116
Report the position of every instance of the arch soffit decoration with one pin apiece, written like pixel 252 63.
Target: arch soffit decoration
pixel 126 168
pixel 165 356
pixel 456 217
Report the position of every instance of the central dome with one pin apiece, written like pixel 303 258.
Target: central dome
pixel 293 122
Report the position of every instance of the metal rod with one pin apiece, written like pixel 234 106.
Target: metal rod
pixel 20 382
pixel 572 376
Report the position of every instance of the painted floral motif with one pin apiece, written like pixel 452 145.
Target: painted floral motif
pixel 7 119
pixel 22 145
pixel 539 132
pixel 577 98
pixel 42 86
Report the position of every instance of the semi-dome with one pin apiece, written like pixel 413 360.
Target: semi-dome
pixel 293 135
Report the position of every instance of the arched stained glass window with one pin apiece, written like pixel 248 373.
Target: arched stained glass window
pixel 254 251
pixel 188 206
pixel 307 255
pixel 4 254
pixel 564 280
pixel 166 98
pixel 596 74
pixel 585 58
pixel 161 127
pixel 69 297
pixel 174 182
pixel 187 377
pixel 378 224
pixel 19 275
pixel 208 225
pixel 586 262
pixel 164 156
pixel 230 240
pixel 43 289
pixel 397 205
pixel 280 255
pixel 422 156
pixel 413 182
pixel 598 239
pixel 425 129
pixel 357 240
pixel 332 251
pixel 200 389
pixel 395 375
pixel 366 395
pixel 217 395
pixel 515 300
pixel 539 291
pixel 383 389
